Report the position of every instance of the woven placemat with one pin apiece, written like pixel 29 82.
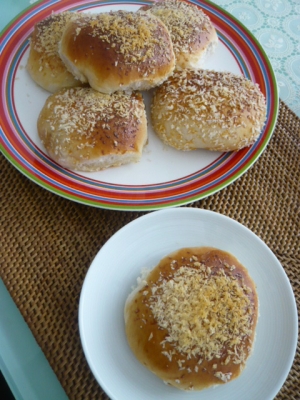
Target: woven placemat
pixel 48 243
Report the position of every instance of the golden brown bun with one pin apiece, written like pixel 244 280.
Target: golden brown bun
pixel 193 35
pixel 208 110
pixel 85 130
pixel 192 319
pixel 44 63
pixel 118 51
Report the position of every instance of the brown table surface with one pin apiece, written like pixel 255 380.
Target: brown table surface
pixel 48 243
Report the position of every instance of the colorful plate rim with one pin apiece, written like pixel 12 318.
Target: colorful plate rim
pixel 29 160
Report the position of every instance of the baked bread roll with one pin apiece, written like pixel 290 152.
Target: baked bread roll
pixel 118 51
pixel 208 110
pixel 192 319
pixel 85 130
pixel 44 63
pixel 193 35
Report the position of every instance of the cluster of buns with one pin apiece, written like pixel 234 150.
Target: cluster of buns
pixel 192 319
pixel 160 46
pixel 103 124
pixel 119 50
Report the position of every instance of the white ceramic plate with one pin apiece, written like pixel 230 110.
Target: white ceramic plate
pixel 142 243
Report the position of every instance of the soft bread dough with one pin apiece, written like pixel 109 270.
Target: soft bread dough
pixel 85 130
pixel 44 63
pixel 191 320
pixel 118 51
pixel 193 35
pixel 206 109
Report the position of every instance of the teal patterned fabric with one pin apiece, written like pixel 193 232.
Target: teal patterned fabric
pixel 275 23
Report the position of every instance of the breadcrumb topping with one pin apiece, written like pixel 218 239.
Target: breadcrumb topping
pixel 49 32
pixel 86 113
pixel 218 103
pixel 185 22
pixel 135 36
pixel 204 311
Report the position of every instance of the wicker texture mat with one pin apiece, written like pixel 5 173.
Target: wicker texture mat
pixel 48 243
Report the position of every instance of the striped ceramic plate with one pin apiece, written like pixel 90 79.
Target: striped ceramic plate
pixel 165 177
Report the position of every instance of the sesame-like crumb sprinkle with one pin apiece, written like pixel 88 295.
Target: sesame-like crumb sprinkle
pixel 136 37
pixel 80 108
pixel 225 377
pixel 208 305
pixel 49 32
pixel 184 21
pixel 203 318
pixel 79 118
pixel 217 103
